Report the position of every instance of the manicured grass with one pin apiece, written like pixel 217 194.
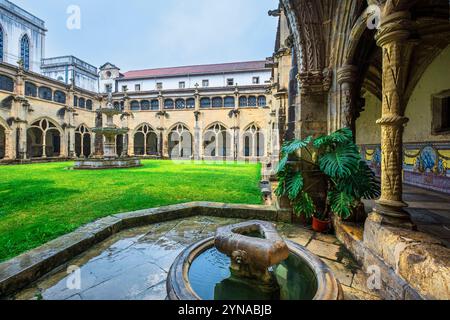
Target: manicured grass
pixel 41 202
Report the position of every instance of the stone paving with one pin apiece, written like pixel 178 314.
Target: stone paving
pixel 133 264
pixel 429 210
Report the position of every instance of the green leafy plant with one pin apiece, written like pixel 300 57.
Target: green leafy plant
pixel 349 178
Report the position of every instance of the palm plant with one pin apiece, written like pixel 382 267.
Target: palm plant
pixel 349 178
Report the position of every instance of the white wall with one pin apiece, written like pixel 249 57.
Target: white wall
pixel 217 80
pixel 13 29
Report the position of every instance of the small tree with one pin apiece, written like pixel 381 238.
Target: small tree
pixel 349 178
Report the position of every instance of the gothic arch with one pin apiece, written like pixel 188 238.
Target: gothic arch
pixel 83 141
pixel 180 142
pixel 44 138
pixel 145 140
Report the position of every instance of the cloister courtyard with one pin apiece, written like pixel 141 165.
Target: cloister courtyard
pixel 40 202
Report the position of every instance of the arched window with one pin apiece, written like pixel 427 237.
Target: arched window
pixel 6 83
pixel 59 97
pixel 135 105
pixel 1 44
pixel 25 51
pixel 190 103
pixel 262 101
pixel 180 143
pixel 45 93
pixel 75 101
pixel 229 102
pixel 155 104
pixel 217 141
pixel 145 141
pixel 217 102
pixel 2 142
pixel 168 104
pixel 89 104
pixel 145 105
pixel 82 103
pixel 243 102
pixel 252 101
pixel 30 89
pixel 205 103
pixel 82 142
pixel 253 142
pixel 43 140
pixel 180 104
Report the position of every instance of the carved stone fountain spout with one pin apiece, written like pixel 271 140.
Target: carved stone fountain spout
pixel 253 247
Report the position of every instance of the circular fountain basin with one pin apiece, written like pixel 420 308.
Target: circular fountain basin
pixel 99 164
pixel 201 272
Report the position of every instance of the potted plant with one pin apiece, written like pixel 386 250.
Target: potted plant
pixel 348 177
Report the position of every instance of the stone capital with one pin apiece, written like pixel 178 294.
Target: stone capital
pixel 396 27
pixel 347 73
pixel 314 82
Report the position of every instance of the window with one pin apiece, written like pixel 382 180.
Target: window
pixel 25 52
pixel 262 101
pixel 217 102
pixel 137 87
pixel 243 102
pixel 45 93
pixel 6 83
pixel 108 74
pixel 59 97
pixel 30 89
pixel 252 101
pixel 145 105
pixel 89 104
pixel 108 88
pixel 205 103
pixel 155 104
pixel 75 101
pixel 230 82
pixel 168 104
pixel 159 86
pixel 190 103
pixel 124 88
pixel 180 104
pixel 205 83
pixel 182 85
pixel 1 44
pixel 60 78
pixel 229 102
pixel 441 113
pixel 135 105
pixel 82 103
pixel 255 80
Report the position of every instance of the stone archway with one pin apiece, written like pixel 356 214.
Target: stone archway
pixel 217 142
pixel 43 139
pixel 83 139
pixel 2 142
pixel 253 142
pixel 145 141
pixel 180 143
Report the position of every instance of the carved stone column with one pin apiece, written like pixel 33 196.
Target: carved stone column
pixel 394 39
pixel 346 77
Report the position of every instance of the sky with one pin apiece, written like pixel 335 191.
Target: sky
pixel 141 34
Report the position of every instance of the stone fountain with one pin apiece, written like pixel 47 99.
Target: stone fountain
pixel 110 159
pixel 250 261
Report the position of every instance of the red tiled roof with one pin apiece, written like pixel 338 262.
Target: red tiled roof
pixel 200 69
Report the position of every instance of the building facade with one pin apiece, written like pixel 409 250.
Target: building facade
pixel 70 69
pixel 22 37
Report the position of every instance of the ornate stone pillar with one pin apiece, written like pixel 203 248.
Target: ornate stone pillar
pixel 197 129
pixel 346 77
pixel 394 39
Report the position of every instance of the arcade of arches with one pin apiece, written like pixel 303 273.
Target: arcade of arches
pixel 335 66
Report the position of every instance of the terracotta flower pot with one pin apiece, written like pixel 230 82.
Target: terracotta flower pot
pixel 321 226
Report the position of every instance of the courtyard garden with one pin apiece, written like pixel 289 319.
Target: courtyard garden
pixel 41 202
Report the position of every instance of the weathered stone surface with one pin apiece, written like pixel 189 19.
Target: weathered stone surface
pixel 354 294
pixel 427 268
pixel 324 250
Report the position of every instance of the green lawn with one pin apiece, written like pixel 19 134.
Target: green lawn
pixel 41 202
